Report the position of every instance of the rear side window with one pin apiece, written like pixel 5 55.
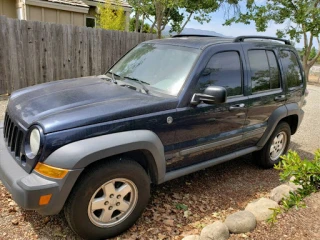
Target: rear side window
pixel 291 68
pixel 265 74
pixel 224 69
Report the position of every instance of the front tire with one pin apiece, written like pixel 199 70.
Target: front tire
pixel 276 146
pixel 108 199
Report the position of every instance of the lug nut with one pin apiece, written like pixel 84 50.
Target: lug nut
pixel 110 208
pixel 119 196
pixel 106 203
pixel 111 196
pixel 118 204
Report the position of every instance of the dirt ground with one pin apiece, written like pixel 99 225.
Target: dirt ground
pixel 208 195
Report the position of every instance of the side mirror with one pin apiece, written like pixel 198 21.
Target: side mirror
pixel 211 95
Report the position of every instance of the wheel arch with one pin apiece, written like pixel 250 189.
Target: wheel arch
pixel 143 146
pixel 290 113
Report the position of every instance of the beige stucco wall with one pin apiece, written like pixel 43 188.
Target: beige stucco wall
pixel 8 8
pixel 43 14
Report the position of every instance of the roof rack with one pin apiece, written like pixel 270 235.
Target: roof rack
pixel 192 35
pixel 241 39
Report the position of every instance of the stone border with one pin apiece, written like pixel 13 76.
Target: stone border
pixel 245 221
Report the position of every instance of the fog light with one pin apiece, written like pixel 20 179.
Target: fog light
pixel 50 171
pixel 45 199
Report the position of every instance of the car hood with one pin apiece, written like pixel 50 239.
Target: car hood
pixel 78 102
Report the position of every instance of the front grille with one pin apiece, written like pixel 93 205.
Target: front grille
pixel 13 136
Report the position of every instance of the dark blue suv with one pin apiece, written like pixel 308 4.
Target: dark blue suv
pixel 92 146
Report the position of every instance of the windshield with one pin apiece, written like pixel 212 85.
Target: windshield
pixel 160 67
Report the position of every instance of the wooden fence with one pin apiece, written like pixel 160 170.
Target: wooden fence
pixel 38 52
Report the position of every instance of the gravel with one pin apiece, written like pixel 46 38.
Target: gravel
pixel 194 201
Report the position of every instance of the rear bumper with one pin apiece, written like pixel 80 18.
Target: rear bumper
pixel 26 189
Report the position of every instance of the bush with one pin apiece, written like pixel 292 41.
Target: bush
pixel 305 173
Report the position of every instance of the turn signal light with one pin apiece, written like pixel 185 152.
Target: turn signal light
pixel 45 199
pixel 50 171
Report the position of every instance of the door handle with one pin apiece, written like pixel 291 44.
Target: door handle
pixel 237 106
pixel 280 98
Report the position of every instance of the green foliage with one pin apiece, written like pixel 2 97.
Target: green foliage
pixel 301 18
pixel 177 13
pixel 305 173
pixel 181 206
pixel 111 17
pixel 313 53
pixel 275 213
pixel 145 29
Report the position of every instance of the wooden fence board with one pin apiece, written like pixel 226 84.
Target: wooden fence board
pixel 38 52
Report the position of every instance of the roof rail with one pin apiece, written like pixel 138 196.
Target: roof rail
pixel 241 39
pixel 192 35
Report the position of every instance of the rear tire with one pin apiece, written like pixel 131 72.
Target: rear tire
pixel 276 146
pixel 108 199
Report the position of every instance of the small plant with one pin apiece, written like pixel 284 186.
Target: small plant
pixel 305 173
pixel 181 206
pixel 275 213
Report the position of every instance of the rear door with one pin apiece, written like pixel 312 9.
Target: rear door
pixel 293 75
pixel 266 90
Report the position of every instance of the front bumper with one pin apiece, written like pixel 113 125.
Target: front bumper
pixel 26 189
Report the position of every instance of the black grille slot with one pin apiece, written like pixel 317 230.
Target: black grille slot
pixel 11 125
pixel 18 143
pixel 13 136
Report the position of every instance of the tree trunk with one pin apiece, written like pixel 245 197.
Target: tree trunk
pixel 137 22
pixel 307 72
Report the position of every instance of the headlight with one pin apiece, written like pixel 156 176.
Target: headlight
pixel 35 141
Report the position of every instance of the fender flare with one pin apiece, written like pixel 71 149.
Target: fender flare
pixel 277 115
pixel 78 155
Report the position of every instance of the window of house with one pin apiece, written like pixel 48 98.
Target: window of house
pixel 91 22
pixel 291 68
pixel 224 69
pixel 265 74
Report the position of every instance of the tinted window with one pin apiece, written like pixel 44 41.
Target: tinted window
pixel 223 69
pixel 265 74
pixel 274 70
pixel 291 68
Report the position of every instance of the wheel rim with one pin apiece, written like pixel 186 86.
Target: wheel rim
pixel 113 202
pixel 278 146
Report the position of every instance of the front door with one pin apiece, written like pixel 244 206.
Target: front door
pixel 206 131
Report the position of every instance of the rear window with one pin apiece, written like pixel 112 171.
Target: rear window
pixel 265 74
pixel 291 68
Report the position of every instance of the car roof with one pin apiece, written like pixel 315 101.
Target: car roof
pixel 203 41
pixel 192 42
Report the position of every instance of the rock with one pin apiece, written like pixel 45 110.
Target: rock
pixel 215 231
pixel 191 237
pixel 261 208
pixel 15 221
pixel 280 192
pixel 293 185
pixel 241 222
pixel 169 222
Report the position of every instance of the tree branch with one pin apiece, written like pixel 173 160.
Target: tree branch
pixel 313 61
pixel 184 25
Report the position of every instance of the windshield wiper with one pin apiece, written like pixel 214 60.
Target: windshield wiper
pixel 112 77
pixel 142 83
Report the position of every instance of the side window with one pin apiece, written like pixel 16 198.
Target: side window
pixel 265 74
pixel 224 69
pixel 291 68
